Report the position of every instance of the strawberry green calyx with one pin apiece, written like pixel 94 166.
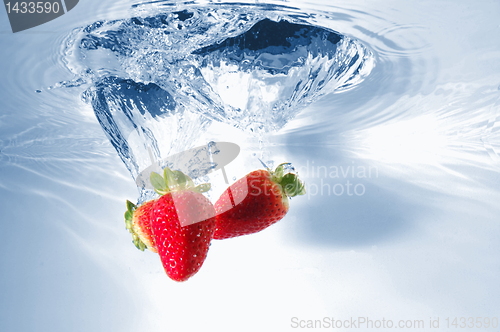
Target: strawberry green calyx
pixel 129 224
pixel 290 183
pixel 173 180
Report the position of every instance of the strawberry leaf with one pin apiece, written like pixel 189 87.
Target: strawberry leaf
pixel 128 216
pixel 169 178
pixel 158 182
pixel 202 188
pixel 279 171
pixel 292 186
pixel 130 206
pixel 174 180
pixel 138 243
pixel 129 225
pixel 182 181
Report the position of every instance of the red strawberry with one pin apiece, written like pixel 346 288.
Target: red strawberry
pixel 255 202
pixel 182 223
pixel 137 221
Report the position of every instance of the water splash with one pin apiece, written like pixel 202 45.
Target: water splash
pixel 159 82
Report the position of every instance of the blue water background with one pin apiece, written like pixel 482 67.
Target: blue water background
pixel 421 242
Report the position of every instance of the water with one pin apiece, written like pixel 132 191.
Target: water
pixel 158 81
pixel 399 149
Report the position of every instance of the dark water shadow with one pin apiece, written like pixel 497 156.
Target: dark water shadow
pixel 350 203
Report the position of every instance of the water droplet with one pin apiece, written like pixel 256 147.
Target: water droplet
pixel 212 147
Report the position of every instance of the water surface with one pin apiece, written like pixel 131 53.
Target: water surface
pixel 402 173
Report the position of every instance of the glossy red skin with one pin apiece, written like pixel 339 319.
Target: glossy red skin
pixel 250 205
pixel 182 249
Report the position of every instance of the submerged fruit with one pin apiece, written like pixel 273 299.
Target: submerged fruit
pixel 182 224
pixel 137 221
pixel 256 201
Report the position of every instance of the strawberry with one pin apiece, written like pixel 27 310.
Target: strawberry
pixel 137 221
pixel 255 202
pixel 182 223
